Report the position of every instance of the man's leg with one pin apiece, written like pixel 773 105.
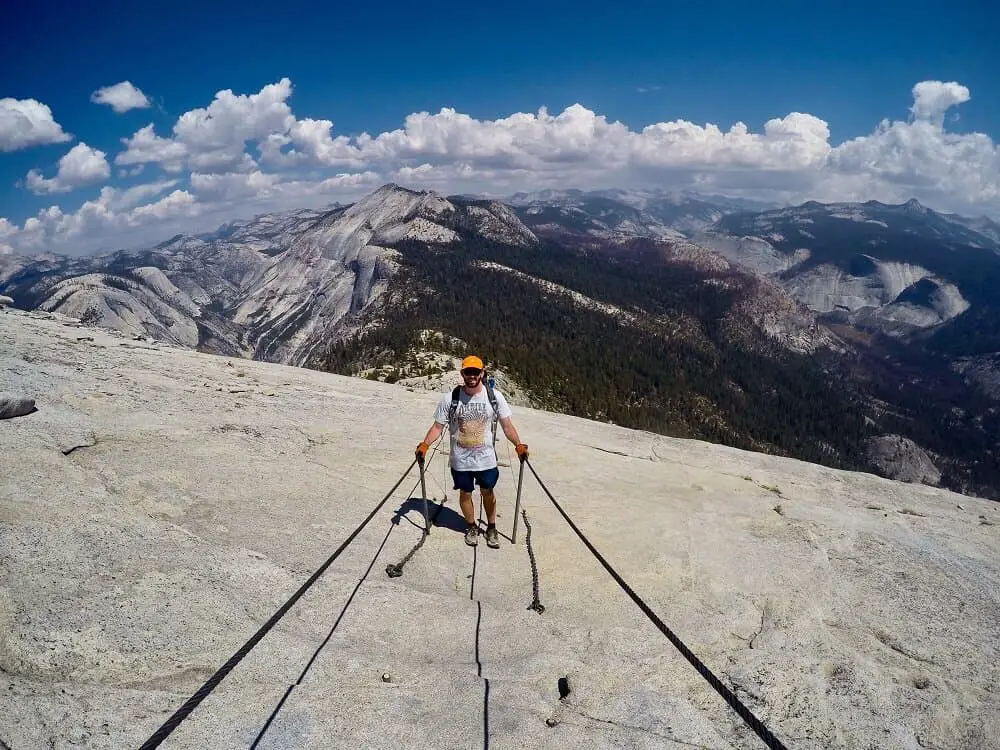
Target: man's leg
pixel 489 505
pixel 464 484
pixel 468 507
pixel 487 481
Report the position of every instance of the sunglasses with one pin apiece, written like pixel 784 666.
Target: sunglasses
pixel 471 373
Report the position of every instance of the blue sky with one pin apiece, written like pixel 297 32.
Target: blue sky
pixel 367 67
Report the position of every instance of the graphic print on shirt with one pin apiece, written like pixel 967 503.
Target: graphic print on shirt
pixel 473 419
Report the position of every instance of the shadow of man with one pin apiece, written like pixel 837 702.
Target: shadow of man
pixel 441 515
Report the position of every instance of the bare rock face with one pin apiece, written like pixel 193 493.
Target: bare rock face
pixel 164 502
pixel 144 302
pixel 778 316
pixel 982 370
pixel 754 253
pixel 900 458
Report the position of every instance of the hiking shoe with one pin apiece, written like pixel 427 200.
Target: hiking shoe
pixel 472 536
pixel 492 537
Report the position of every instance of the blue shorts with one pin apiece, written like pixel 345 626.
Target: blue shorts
pixel 487 479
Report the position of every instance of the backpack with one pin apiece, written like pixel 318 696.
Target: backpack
pixel 488 383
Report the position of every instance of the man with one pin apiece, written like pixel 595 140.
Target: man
pixel 473 456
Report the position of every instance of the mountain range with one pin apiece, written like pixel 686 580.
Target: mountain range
pixel 858 335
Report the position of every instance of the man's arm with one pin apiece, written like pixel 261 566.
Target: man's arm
pixel 432 435
pixel 433 432
pixel 507 424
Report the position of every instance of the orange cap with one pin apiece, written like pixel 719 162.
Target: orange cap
pixel 472 361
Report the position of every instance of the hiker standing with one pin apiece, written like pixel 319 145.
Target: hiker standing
pixel 471 412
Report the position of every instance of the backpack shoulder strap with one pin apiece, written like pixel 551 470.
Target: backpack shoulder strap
pixel 454 403
pixel 492 396
pixel 496 408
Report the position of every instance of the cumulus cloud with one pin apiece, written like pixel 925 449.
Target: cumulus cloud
pixel 108 219
pixel 129 218
pixel 146 146
pixel 7 230
pixel 232 185
pixel 177 203
pixel 901 160
pixel 121 97
pixel 931 99
pixel 135 195
pixel 795 142
pixel 82 165
pixel 271 191
pixel 788 159
pixel 214 137
pixel 577 144
pixel 27 122
pixel 232 118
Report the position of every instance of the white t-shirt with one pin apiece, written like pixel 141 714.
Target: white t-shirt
pixel 471 428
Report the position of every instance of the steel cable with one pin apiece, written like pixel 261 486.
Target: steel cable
pixel 192 703
pixel 728 695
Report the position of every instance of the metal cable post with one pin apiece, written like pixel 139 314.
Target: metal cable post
pixel 423 494
pixel 517 507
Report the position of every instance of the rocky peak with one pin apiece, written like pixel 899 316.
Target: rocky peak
pixel 900 458
pixel 392 204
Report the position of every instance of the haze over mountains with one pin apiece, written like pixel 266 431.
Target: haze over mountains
pixel 857 335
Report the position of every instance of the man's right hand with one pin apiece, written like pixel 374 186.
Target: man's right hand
pixel 421 452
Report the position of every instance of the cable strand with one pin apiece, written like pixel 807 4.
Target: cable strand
pixel 734 702
pixel 192 703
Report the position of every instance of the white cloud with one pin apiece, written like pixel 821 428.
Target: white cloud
pixel 314 139
pixel 7 230
pixel 232 185
pixel 900 160
pixel 797 141
pixel 133 196
pixel 789 159
pixel 233 119
pixel 82 165
pixel 121 97
pixel 521 140
pixel 271 192
pixel 108 220
pixel 120 218
pixel 931 99
pixel 27 122
pixel 177 203
pixel 214 138
pixel 146 146
pixel 576 144
pixel 223 160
